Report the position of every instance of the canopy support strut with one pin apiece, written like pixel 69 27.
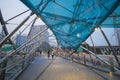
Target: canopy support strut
pixel 110 47
pixel 5 29
pixel 15 30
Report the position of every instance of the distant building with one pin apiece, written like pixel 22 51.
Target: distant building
pixel 41 38
pixel 21 39
pixel 35 30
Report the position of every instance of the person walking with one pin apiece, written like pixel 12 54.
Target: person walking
pixel 52 54
pixel 49 54
pixel 40 52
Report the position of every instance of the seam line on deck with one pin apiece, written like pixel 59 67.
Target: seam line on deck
pixel 43 71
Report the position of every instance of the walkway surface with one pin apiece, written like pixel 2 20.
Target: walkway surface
pixel 61 69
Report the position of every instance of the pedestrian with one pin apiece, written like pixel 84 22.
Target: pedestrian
pixel 48 54
pixel 52 54
pixel 40 52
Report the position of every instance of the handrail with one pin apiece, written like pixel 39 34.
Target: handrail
pixel 1 60
pixel 100 58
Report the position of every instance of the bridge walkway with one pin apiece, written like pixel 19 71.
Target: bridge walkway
pixel 60 69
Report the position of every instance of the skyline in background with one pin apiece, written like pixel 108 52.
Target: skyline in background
pixel 10 8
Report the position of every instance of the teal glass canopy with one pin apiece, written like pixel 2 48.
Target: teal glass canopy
pixel 72 21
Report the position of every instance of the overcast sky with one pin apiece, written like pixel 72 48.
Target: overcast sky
pixel 10 8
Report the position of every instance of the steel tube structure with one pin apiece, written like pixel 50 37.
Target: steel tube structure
pixel 21 46
pixel 110 47
pixel 17 15
pixel 5 29
pixel 15 30
pixel 26 27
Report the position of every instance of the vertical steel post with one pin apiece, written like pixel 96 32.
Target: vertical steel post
pixel 112 64
pixel 84 59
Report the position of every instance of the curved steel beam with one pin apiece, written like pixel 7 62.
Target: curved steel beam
pixel 5 29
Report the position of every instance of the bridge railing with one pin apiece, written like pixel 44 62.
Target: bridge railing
pixel 11 67
pixel 106 50
pixel 106 63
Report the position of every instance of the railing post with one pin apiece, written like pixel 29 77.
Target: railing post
pixel 72 57
pixel 112 64
pixel 84 59
pixel 23 62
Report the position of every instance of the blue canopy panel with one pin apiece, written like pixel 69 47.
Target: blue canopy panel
pixel 72 21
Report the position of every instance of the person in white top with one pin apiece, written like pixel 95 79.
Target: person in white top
pixel 52 54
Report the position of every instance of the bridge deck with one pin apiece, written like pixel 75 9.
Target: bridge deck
pixel 61 69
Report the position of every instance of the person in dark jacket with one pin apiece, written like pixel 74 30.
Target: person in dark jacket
pixel 49 54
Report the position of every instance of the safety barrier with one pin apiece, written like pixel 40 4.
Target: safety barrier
pixel 14 65
pixel 85 59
